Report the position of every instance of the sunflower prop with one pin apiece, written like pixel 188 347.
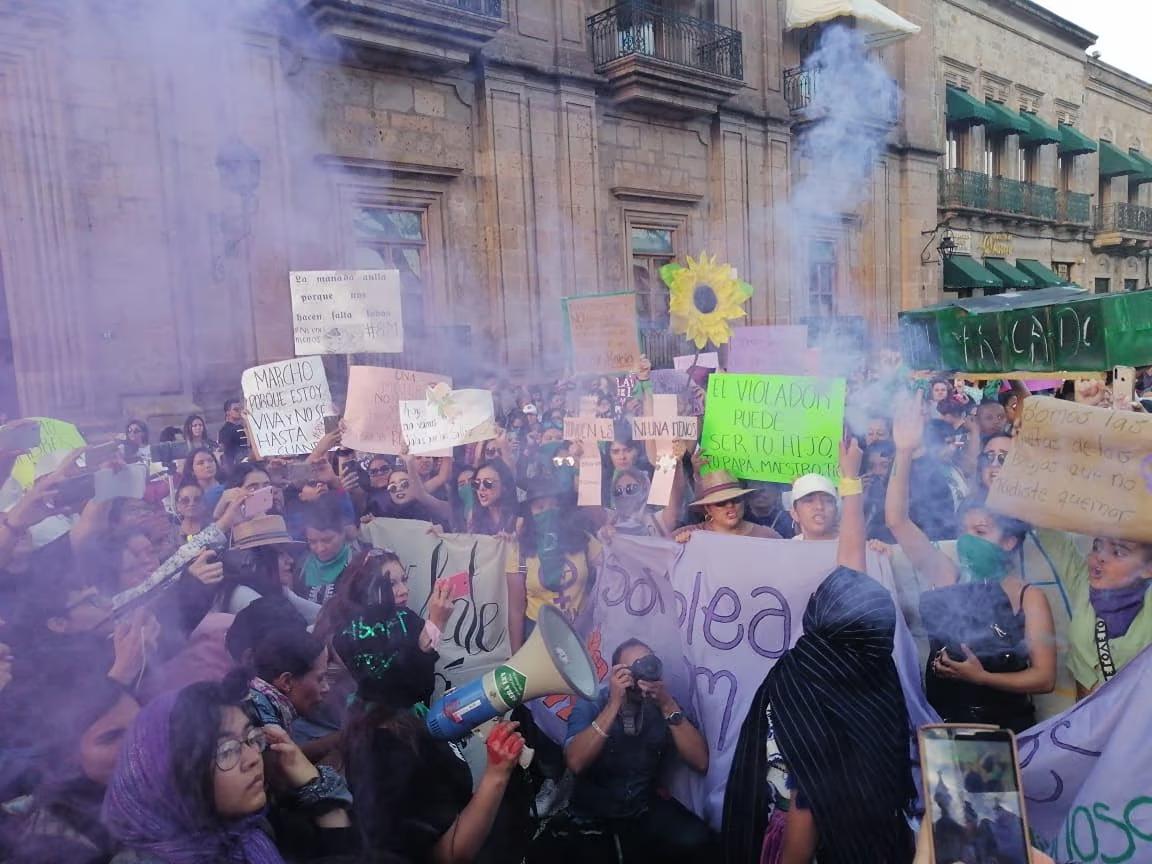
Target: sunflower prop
pixel 705 296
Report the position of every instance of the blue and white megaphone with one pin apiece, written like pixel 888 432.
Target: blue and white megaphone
pixel 552 661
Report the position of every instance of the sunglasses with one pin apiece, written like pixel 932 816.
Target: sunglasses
pixel 484 484
pixel 398 487
pixel 628 489
pixel 993 458
pixel 561 461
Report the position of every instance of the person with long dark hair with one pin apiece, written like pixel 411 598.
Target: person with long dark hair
pixel 495 509
pixel 196 433
pixel 202 469
pixel 136 442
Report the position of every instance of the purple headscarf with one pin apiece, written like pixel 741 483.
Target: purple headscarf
pixel 145 811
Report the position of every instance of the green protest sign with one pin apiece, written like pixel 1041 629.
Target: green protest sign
pixel 773 427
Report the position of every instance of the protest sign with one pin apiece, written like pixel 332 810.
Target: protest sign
pixel 1085 773
pixel 346 311
pixel 589 429
pixel 286 403
pixel 708 360
pixel 372 412
pixel 1078 468
pixel 671 428
pixel 476 636
pixel 719 621
pixel 434 425
pixel 777 349
pixel 603 335
pixel 57 439
pixel 689 395
pixel 773 427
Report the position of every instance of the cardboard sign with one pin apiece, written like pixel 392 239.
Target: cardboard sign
pixel 1079 468
pixel 662 428
pixel 671 428
pixel 771 350
pixel 603 335
pixel 286 403
pixel 372 412
pixel 589 429
pixel 347 311
pixel 774 427
pixel 430 426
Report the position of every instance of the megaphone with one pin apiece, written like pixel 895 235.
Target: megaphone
pixel 552 661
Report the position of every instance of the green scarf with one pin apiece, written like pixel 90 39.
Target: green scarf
pixel 318 573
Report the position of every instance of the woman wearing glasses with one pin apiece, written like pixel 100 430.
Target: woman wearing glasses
pixel 190 786
pixel 992 636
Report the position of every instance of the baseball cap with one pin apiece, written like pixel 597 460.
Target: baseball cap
pixel 810 484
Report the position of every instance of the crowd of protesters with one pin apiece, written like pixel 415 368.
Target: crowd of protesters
pixel 223 669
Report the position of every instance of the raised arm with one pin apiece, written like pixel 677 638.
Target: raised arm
pixel 850 551
pixel 441 510
pixel 907 436
pixel 443 473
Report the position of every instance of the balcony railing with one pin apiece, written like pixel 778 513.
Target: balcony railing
pixel 802 88
pixel 489 8
pixel 1074 208
pixel 646 29
pixel 1120 218
pixel 971 190
pixel 799 87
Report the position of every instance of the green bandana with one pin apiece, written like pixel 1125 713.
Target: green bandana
pixel 318 573
pixel 981 560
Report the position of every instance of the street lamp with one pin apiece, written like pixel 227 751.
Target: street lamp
pixel 948 245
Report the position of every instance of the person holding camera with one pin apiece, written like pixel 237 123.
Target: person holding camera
pixel 618 746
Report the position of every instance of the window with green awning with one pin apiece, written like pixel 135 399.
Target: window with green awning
pixel 1038 132
pixel 1073 142
pixel 963 273
pixel 1041 275
pixel 1114 162
pixel 1145 175
pixel 965 108
pixel 1009 275
pixel 1006 121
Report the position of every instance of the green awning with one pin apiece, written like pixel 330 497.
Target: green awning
pixel 1073 142
pixel 1114 162
pixel 1009 275
pixel 1038 133
pixel 965 108
pixel 963 273
pixel 1006 121
pixel 1040 274
pixel 1145 175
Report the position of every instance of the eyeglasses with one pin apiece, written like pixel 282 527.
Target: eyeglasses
pixel 398 487
pixel 228 751
pixel 993 458
pixel 628 489
pixel 561 461
pixel 486 483
pixel 379 472
pixel 491 453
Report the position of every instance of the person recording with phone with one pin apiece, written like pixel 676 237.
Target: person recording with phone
pixel 618 747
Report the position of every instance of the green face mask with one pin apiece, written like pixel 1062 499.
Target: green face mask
pixel 467 496
pixel 981 560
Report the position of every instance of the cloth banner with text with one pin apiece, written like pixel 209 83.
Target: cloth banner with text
pixel 1086 773
pixel 1078 468
pixel 773 427
pixel 476 637
pixel 719 619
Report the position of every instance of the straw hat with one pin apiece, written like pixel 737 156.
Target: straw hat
pixel 262 531
pixel 717 487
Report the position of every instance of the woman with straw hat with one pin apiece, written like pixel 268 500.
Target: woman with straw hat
pixel 721 497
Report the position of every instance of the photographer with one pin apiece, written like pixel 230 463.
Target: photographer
pixel 617 747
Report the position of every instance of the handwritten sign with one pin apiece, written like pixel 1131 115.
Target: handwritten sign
pixel 372 412
pixel 774 427
pixel 1079 468
pixel 665 428
pixel 775 349
pixel 346 311
pixel 602 332
pixel 57 439
pixel 589 429
pixel 286 404
pixel 429 428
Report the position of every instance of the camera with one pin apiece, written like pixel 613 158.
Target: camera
pixel 647 668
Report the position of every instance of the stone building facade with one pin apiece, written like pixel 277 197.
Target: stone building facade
pixel 163 171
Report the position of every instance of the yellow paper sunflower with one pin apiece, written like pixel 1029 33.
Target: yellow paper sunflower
pixel 705 296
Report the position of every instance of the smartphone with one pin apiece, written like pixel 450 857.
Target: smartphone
pixel 20 436
pixel 257 503
pixel 75 492
pixel 98 454
pixel 169 451
pixel 458 585
pixel 975 806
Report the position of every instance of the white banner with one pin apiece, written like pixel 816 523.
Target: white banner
pixel 476 638
pixel 347 311
pixel 286 403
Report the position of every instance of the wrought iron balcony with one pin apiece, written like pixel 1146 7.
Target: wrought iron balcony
pixel 971 190
pixel 660 59
pixel 802 91
pixel 799 88
pixel 1074 208
pixel 422 33
pixel 1122 224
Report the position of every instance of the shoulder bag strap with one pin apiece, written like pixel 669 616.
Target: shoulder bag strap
pixel 1104 651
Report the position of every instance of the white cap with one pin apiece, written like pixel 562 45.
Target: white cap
pixel 810 484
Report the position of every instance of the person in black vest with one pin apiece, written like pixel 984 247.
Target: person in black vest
pixel 233 436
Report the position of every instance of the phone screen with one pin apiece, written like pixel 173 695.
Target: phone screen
pixel 973 791
pixel 458 586
pixel 258 503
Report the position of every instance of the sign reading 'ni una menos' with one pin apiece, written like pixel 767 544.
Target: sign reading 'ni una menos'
pixel 347 311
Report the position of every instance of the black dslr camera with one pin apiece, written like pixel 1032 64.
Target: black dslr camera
pixel 647 668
